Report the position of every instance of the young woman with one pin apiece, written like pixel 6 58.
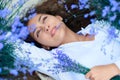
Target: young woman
pixel 91 47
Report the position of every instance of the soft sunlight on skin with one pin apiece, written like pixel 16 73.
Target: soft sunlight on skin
pixel 103 72
pixel 46 32
pixel 52 32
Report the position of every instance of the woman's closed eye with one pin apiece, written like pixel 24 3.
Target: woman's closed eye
pixel 38 32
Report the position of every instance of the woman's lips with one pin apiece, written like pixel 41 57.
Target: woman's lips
pixel 53 31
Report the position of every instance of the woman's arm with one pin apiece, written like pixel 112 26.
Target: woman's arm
pixel 103 72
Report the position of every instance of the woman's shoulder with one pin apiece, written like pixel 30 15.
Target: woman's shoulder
pixel 97 25
pixel 102 27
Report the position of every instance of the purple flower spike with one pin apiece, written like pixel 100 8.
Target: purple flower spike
pixel 23 33
pixel 2 37
pixel 16 23
pixel 5 12
pixel 92 13
pixel 66 7
pixel 86 15
pixel 119 21
pixel 105 11
pixel 25 78
pixel 14 72
pixel 112 18
pixel 112 33
pixel 0 70
pixel 1 46
pixel 32 16
pixel 83 1
pixel 21 2
pixel 32 10
pixel 73 6
pixel 66 64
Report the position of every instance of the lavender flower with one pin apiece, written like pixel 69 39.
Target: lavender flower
pixel 86 15
pixel 24 77
pixel 0 70
pixel 112 18
pixel 89 14
pixel 4 13
pixel 111 34
pixel 92 31
pixel 114 8
pixel 32 15
pixel 21 2
pixel 65 64
pixel 14 72
pixel 83 1
pixel 87 6
pixel 92 20
pixel 25 19
pixel 115 4
pixel 23 33
pixel 92 13
pixel 66 7
pixel 17 23
pixel 2 37
pixel 1 46
pixel 73 6
pixel 83 4
pixel 105 11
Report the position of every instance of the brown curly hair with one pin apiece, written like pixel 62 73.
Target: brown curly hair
pixel 73 18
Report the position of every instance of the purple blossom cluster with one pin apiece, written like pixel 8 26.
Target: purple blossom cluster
pixel 112 34
pixel 108 10
pixel 4 12
pixel 83 4
pixel 11 20
pixel 8 19
pixel 12 29
pixel 66 64
pixel 18 29
pixel 1 46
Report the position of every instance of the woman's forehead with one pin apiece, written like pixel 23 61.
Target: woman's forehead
pixel 34 19
pixel 32 23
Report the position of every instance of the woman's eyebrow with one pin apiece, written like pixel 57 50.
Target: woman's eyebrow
pixel 39 18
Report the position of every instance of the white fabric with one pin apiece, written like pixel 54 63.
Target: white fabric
pixel 87 53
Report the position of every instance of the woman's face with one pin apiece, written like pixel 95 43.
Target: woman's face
pixel 48 30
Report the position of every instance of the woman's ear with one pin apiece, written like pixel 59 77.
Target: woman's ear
pixel 59 17
pixel 46 47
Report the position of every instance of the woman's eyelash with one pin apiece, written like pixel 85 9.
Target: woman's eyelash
pixel 37 33
pixel 44 19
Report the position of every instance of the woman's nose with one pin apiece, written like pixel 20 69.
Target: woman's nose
pixel 47 28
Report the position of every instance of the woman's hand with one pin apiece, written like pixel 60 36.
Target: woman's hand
pixel 103 72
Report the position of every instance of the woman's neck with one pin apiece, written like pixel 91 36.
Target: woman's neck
pixel 73 37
